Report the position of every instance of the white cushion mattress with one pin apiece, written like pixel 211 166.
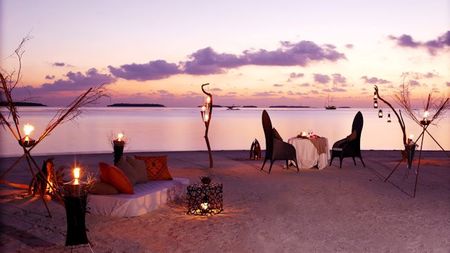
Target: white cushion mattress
pixel 146 197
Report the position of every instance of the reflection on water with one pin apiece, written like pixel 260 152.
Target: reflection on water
pixel 170 129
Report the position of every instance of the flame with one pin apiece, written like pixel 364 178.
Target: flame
pixel 208 99
pixel 425 114
pixel 411 136
pixel 76 175
pixel 206 117
pixel 204 206
pixel 27 129
pixel 120 136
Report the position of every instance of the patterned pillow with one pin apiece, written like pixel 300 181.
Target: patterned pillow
pixel 156 167
pixel 114 176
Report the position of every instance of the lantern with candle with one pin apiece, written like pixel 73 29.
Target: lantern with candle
pixel 27 141
pixel 75 200
pixel 425 121
pixel 118 146
pixel 205 198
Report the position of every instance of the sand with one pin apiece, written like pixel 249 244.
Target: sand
pixel 332 210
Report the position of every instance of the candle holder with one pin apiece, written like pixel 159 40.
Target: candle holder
pixel 205 198
pixel 118 146
pixel 75 194
pixel 255 150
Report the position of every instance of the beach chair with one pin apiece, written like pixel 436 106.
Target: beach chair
pixel 276 148
pixel 350 145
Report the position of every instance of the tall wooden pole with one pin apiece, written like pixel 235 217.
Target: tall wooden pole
pixel 206 114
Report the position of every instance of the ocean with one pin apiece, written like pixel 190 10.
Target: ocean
pixel 182 129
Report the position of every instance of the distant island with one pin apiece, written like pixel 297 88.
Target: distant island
pixel 249 106
pixel 135 105
pixel 289 106
pixel 3 103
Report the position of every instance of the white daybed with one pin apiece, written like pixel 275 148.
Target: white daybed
pixel 147 197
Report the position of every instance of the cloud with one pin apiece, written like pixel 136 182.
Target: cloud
pixel 278 85
pixel 339 79
pixel 294 75
pixel 304 85
pixel 440 43
pixel 374 80
pixel 293 54
pixel 216 89
pixel 153 70
pixel 414 83
pixel 448 84
pixel 58 64
pixel 78 81
pixel 323 79
pixel 349 46
pixel 264 94
pixel 63 90
pixel 49 77
pixel 206 61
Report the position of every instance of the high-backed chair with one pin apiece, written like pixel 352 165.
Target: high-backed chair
pixel 276 148
pixel 350 146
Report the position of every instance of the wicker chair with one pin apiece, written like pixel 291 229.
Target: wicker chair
pixel 350 145
pixel 276 148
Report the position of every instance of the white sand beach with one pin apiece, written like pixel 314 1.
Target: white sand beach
pixel 331 210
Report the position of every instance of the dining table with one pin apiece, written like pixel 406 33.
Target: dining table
pixel 311 152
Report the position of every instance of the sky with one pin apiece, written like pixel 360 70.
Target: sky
pixel 281 52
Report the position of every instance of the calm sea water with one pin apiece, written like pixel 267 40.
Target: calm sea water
pixel 177 129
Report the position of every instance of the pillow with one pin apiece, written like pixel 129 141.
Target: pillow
pixel 129 171
pixel 114 176
pixel 156 167
pixel 140 169
pixel 102 188
pixel 276 135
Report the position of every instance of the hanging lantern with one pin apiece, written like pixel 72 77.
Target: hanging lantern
pixel 375 103
pixel 380 113
pixel 389 118
pixel 27 141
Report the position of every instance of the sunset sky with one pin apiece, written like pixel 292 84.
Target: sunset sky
pixel 251 52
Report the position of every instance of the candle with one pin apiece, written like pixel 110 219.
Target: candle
pixel 203 108
pixel 208 99
pixel 76 176
pixel 206 117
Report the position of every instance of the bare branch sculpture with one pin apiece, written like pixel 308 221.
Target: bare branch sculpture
pixel 206 113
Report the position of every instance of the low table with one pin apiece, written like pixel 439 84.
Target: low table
pixel 307 154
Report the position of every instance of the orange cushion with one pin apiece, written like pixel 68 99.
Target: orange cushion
pixel 156 167
pixel 114 176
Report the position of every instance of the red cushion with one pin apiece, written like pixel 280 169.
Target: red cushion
pixel 156 167
pixel 114 176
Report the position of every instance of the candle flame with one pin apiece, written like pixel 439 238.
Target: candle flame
pixel 411 136
pixel 204 206
pixel 120 136
pixel 425 114
pixel 27 129
pixel 76 173
pixel 206 117
pixel 208 99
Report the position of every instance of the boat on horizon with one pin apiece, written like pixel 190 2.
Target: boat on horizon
pixel 328 106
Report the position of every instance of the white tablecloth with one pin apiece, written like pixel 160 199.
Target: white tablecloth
pixel 307 154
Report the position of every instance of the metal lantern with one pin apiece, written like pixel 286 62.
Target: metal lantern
pixel 380 113
pixel 205 198
pixel 389 118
